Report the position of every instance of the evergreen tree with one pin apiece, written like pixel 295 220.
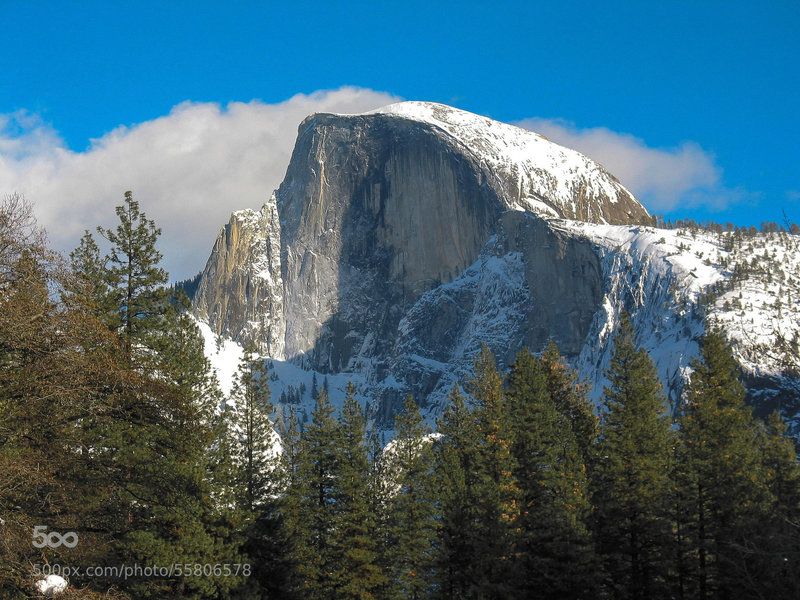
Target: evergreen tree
pixel 91 289
pixel 774 546
pixel 632 478
pixel 721 483
pixel 253 435
pixel 498 506
pixel 55 363
pixel 571 399
pixel 136 283
pixel 555 552
pixel 257 480
pixel 456 463
pixel 411 509
pixel 161 440
pixel 381 494
pixel 357 573
pixel 59 368
pixel 312 503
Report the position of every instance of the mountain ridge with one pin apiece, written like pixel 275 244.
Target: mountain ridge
pixel 401 250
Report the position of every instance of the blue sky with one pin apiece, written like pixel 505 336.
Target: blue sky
pixel 694 105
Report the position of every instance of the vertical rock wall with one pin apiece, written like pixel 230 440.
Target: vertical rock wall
pixel 240 293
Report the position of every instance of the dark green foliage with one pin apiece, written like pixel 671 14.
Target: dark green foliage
pixel 189 286
pixel 111 426
pixel 56 366
pixel 249 408
pixel 356 571
pixel 571 399
pixel 556 556
pixel 250 497
pixel 311 508
pixel 455 473
pixel 154 456
pixel 775 542
pixel 498 493
pixel 632 483
pixel 410 508
pixel 722 486
pixel 135 283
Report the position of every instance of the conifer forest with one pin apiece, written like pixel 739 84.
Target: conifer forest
pixel 113 428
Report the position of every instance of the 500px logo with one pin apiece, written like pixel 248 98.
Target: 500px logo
pixel 42 538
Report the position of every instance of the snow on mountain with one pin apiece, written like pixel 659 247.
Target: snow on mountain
pixel 673 280
pixel 403 239
pixel 550 179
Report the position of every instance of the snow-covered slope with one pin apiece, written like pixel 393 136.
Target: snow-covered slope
pixel 403 239
pixel 677 282
pixel 539 176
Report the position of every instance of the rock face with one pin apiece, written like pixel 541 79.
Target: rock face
pixel 240 292
pixel 401 232
pixel 529 284
pixel 528 172
pixel 375 211
pixel 378 209
pixel 403 239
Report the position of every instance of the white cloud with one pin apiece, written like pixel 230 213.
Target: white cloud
pixel 663 179
pixel 189 170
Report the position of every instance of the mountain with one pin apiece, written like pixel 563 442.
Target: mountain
pixel 402 239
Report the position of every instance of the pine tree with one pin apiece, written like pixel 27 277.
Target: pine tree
pixel 722 493
pixel 632 482
pixel 381 493
pixel 136 283
pixel 254 438
pixel 312 503
pixel 163 435
pixel 571 399
pixel 256 482
pixel 555 551
pixel 774 545
pixel 91 289
pixel 357 573
pixel 456 463
pixel 498 507
pixel 411 509
pixel 57 365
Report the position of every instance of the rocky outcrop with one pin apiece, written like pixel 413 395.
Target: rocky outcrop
pixel 526 170
pixel 530 283
pixel 378 209
pixel 402 240
pixel 375 211
pixel 240 292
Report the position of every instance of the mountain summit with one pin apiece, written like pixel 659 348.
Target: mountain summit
pixel 402 239
pixel 530 172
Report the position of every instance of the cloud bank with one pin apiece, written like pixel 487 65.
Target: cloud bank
pixel 663 179
pixel 189 169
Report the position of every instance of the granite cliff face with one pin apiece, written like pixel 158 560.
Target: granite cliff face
pixel 375 211
pixel 378 209
pixel 240 292
pixel 527 171
pixel 403 239
pixel 400 240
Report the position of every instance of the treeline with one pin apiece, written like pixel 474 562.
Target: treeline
pixel 525 493
pixel 112 427
pixel 766 227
